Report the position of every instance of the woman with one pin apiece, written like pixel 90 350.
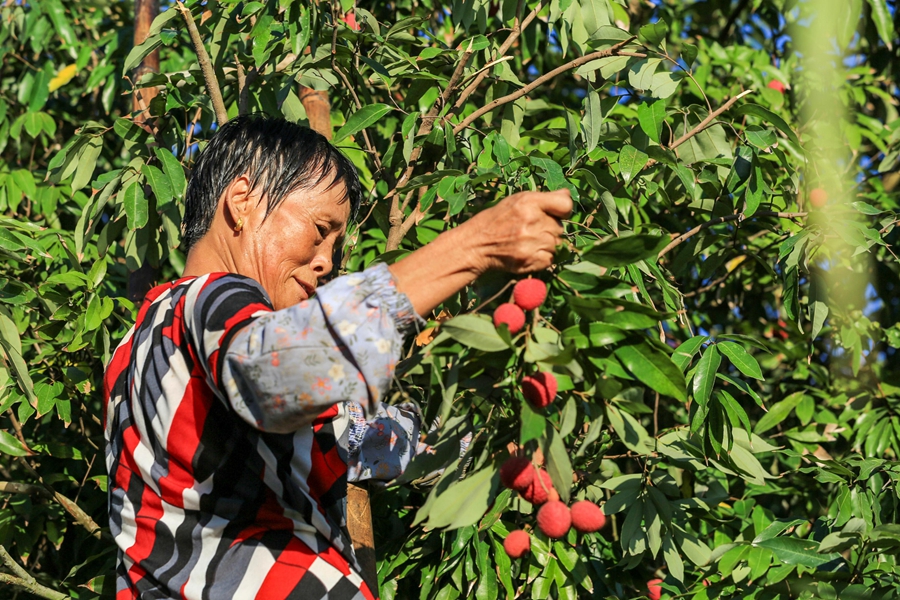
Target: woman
pixel 230 420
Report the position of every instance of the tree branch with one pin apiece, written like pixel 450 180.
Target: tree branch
pixel 209 74
pixel 12 487
pixel 396 212
pixel 25 580
pixel 81 517
pixel 611 51
pixel 719 220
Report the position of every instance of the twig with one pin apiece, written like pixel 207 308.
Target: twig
pixel 25 580
pixel 614 50
pixel 719 220
pixel 243 91
pixel 81 517
pixel 209 74
pixel 709 119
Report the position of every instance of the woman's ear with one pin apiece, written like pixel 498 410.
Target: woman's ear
pixel 237 202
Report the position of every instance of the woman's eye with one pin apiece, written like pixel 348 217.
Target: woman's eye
pixel 323 231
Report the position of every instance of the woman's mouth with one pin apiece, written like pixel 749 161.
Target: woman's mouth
pixel 308 290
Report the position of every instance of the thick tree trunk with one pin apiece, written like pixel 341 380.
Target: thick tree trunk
pixel 141 280
pixel 144 13
pixel 359 512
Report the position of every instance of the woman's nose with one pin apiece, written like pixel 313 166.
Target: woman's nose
pixel 322 263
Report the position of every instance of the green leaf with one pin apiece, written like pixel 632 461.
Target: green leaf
pixel 705 375
pixel 57 14
pixel 848 21
pixel 10 445
pixel 884 22
pixel 778 412
pixel 654 33
pixel 475 331
pixel 558 465
pixel 139 52
pixel 769 117
pixel 640 73
pixel 622 251
pixel 159 183
pixel 653 368
pixel 87 161
pixel 631 162
pixel 593 118
pixel 818 305
pixel 173 170
pixel 361 119
pixel 685 352
pixel 630 432
pixel 136 208
pixel 688 53
pixel 464 502
pixel 650 117
pixel 533 424
pixel 741 359
pixel 794 551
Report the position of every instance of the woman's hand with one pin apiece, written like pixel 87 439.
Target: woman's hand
pixel 519 234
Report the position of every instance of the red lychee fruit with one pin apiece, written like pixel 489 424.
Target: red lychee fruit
pixel 541 489
pixel 517 543
pixel 510 314
pixel 554 519
pixel 539 389
pixel 517 473
pixel 654 589
pixel 818 198
pixel 529 293
pixel 776 85
pixel 587 517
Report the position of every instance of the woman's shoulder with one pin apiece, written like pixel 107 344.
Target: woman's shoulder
pixel 210 288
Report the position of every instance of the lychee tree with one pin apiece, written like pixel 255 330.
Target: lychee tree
pixel 712 363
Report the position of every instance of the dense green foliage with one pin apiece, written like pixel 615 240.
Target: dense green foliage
pixel 727 351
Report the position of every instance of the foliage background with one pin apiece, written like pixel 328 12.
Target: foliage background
pixel 727 351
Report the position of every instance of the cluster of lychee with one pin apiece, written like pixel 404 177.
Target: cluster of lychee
pixel 528 294
pixel 554 518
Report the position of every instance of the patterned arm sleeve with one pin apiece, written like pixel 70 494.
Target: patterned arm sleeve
pixel 283 368
pixel 381 448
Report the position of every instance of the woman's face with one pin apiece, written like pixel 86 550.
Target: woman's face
pixel 290 251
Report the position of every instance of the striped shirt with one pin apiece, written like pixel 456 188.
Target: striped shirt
pixel 228 435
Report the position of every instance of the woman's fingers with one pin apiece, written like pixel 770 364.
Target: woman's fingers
pixel 557 204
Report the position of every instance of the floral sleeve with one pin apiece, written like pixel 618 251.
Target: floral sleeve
pixel 285 367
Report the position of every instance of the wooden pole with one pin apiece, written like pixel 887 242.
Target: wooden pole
pixel 359 510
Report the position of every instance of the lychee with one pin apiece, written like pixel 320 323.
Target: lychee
pixel 776 85
pixel 517 473
pixel 510 314
pixel 818 198
pixel 529 293
pixel 554 519
pixel 587 517
pixel 654 589
pixel 541 489
pixel 539 389
pixel 517 543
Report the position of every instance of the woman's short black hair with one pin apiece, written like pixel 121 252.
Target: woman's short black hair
pixel 278 156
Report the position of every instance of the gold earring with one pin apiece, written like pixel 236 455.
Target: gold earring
pixel 239 225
